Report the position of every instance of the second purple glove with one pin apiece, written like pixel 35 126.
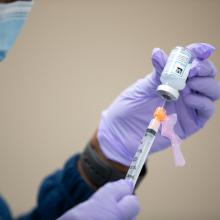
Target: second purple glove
pixel 123 124
pixel 114 201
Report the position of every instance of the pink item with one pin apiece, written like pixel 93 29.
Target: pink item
pixel 168 131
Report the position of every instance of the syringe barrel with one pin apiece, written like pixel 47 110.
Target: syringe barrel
pixel 141 156
pixel 154 125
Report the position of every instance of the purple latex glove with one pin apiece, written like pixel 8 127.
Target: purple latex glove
pixel 123 124
pixel 114 201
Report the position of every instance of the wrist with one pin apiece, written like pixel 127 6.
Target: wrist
pixel 96 169
pixel 96 146
pixel 117 166
pixel 84 176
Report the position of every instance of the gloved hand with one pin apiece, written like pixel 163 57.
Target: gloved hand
pixel 114 201
pixel 123 124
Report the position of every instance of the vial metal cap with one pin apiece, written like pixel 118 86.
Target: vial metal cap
pixel 167 92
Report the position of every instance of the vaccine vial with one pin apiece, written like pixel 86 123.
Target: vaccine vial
pixel 175 73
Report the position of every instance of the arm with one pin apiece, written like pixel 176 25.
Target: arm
pixel 67 187
pixel 97 169
pixel 59 192
pixel 5 213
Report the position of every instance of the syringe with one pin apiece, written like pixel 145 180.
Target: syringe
pixel 145 145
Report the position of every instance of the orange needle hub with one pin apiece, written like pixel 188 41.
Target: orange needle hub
pixel 160 114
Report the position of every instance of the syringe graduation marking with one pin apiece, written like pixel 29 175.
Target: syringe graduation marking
pixel 145 145
pixel 140 156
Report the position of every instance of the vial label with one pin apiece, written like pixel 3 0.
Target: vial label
pixel 177 63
